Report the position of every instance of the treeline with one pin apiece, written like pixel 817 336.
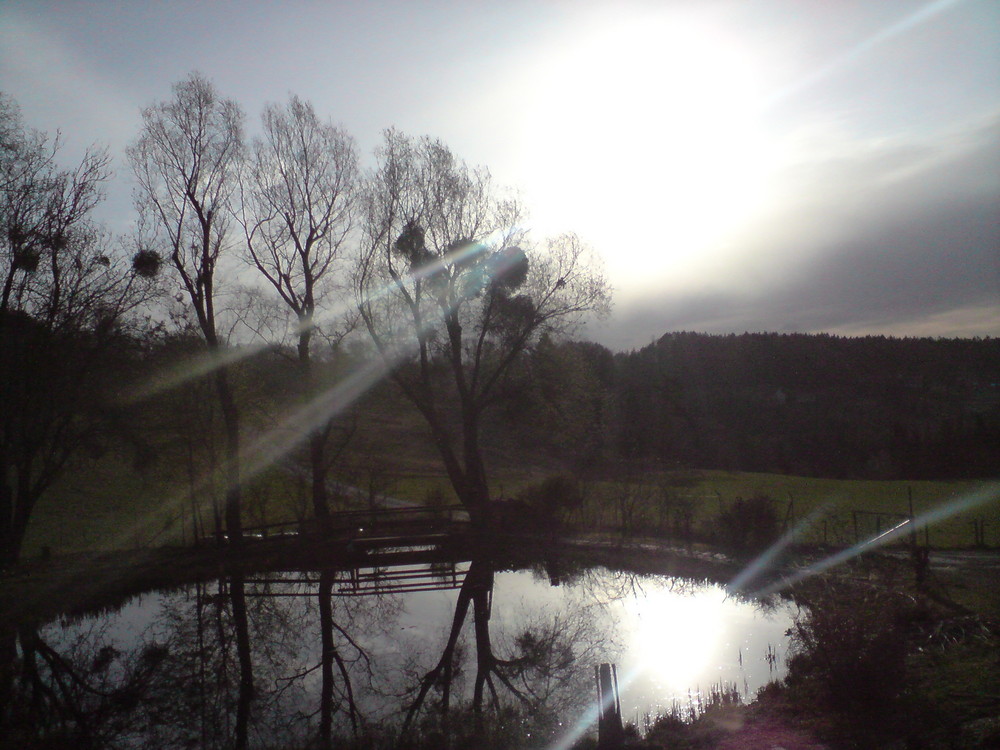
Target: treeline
pixel 819 405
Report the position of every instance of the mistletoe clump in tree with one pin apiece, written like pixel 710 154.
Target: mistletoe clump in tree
pixel 66 292
pixel 453 294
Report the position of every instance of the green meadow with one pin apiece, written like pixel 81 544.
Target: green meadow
pixel 108 504
pixel 831 511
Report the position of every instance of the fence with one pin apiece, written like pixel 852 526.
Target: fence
pixel 817 518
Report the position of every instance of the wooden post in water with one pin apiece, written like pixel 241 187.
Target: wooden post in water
pixel 610 735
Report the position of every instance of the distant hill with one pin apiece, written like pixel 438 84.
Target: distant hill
pixel 873 407
pixel 810 405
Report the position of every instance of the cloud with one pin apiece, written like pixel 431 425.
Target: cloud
pixel 902 240
pixel 926 260
pixel 58 88
pixel 54 83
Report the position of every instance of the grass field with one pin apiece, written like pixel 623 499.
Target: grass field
pixel 108 504
pixel 825 510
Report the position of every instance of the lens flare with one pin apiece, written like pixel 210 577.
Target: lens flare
pixel 208 362
pixel 763 563
pixel 985 494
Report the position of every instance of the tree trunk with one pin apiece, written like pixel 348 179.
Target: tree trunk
pixel 231 425
pixel 241 624
pixel 478 497
pixel 16 510
pixel 9 547
pixel 317 438
pixel 326 658
pixel 8 662
pixel 485 660
pixel 317 460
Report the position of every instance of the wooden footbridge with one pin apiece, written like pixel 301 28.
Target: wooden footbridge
pixel 373 530
pixel 383 537
pixel 363 580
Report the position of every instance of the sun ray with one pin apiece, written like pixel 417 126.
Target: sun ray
pixel 987 493
pixel 278 442
pixel 762 563
pixel 208 362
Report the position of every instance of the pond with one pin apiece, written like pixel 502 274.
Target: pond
pixel 314 658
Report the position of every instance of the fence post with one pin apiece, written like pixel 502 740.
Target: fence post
pixel 913 528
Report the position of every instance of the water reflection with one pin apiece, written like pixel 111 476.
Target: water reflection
pixel 412 656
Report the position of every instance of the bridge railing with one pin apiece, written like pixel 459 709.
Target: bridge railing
pixel 369 521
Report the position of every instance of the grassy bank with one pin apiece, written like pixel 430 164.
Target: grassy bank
pixel 825 511
pixel 110 504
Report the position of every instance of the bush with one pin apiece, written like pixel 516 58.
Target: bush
pixel 544 506
pixel 849 663
pixel 748 526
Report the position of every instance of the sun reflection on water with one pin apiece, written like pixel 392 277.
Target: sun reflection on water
pixel 684 641
pixel 676 635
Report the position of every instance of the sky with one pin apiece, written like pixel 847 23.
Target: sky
pixel 764 165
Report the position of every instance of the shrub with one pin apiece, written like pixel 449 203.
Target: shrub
pixel 748 526
pixel 849 662
pixel 545 505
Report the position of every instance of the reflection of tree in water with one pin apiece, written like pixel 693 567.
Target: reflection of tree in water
pixel 206 691
pixel 82 694
pixel 525 684
pixel 345 665
pixel 240 663
pixel 218 668
pixel 283 700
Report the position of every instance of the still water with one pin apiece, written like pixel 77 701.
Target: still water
pixel 285 658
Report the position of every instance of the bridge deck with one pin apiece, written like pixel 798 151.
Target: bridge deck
pixel 371 530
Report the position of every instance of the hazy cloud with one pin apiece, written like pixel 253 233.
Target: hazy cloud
pixel 875 210
pixel 905 242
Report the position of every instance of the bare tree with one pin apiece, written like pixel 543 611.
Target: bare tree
pixel 65 294
pixel 452 295
pixel 297 212
pixel 186 160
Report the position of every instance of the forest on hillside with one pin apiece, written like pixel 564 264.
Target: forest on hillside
pixel 817 405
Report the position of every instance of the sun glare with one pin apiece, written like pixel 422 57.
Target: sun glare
pixel 677 635
pixel 643 133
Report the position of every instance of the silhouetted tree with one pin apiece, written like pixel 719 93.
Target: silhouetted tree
pixel 298 205
pixel 66 295
pixel 186 159
pixel 452 294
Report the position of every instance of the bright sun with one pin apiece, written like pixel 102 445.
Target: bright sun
pixel 643 135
